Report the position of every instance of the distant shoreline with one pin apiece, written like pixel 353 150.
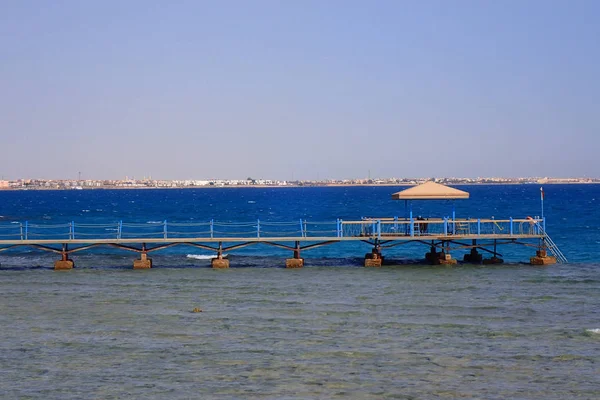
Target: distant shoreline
pixel 287 186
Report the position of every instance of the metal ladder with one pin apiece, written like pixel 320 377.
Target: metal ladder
pixel 560 257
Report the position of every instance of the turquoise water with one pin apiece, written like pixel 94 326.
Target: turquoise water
pixel 331 330
pixel 325 332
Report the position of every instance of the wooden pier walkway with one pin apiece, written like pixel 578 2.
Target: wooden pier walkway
pixel 440 235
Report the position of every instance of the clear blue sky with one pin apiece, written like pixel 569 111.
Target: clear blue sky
pixel 303 89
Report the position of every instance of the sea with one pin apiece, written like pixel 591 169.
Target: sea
pixel 332 329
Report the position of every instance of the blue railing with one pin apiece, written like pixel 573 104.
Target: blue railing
pixel 369 228
pixel 389 227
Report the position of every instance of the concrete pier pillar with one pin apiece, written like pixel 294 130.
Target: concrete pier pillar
pixel 294 263
pixel 219 262
pixel 493 260
pixel 297 261
pixel 374 258
pixel 542 258
pixel 435 258
pixel 446 259
pixel 64 263
pixel 143 263
pixel 373 262
pixel 474 257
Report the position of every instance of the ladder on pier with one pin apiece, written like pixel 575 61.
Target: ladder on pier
pixel 551 246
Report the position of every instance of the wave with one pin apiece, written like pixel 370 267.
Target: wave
pixel 203 256
pixel 595 331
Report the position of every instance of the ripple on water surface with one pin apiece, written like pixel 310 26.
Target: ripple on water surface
pixel 322 332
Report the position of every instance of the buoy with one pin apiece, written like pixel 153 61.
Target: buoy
pixel 197 309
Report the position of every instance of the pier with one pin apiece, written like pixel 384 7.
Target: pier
pixel 443 238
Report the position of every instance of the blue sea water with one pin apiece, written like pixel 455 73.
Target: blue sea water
pixel 331 330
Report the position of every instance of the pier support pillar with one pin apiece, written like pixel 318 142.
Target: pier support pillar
pixel 495 259
pixel 64 263
pixel 143 263
pixel 219 262
pixel 442 258
pixel 297 261
pixel 446 259
pixel 294 263
pixel 492 261
pixel 474 257
pixel 542 258
pixel 433 256
pixel 374 258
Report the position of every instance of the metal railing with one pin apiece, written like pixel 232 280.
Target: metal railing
pixel 391 227
pixel 552 247
pixel 366 228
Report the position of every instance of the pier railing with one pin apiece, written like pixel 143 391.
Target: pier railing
pixel 370 228
pixel 389 227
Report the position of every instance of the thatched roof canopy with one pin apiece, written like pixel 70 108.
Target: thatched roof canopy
pixel 430 191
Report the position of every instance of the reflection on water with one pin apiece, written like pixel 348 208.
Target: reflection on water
pixel 320 332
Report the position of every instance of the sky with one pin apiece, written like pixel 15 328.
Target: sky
pixel 299 89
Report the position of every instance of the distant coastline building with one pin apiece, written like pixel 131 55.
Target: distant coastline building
pixel 4 185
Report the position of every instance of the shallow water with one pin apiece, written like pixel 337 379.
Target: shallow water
pixel 320 332
pixel 332 329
